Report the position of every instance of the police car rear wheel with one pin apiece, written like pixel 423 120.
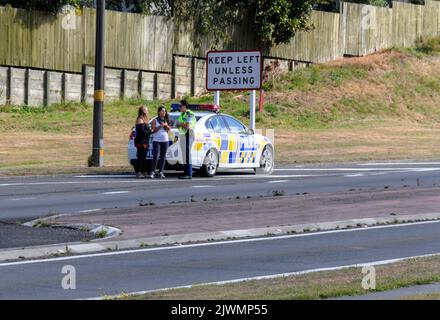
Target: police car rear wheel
pixel 209 168
pixel 266 161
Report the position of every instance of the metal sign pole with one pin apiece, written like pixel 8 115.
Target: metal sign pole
pixel 217 98
pixel 252 111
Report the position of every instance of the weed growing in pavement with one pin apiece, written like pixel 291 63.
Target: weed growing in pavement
pixel 42 224
pixel 145 204
pixel 278 193
pixel 102 233
pixel 143 245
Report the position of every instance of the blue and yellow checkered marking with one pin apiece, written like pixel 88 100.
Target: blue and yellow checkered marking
pixel 229 147
pixel 247 157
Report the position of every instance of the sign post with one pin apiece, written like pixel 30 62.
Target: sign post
pixel 217 98
pixel 234 70
pixel 252 111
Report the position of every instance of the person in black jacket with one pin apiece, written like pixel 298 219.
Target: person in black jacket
pixel 141 141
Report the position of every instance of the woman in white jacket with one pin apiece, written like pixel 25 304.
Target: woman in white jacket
pixel 160 128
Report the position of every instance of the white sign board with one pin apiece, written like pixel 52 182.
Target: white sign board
pixel 233 70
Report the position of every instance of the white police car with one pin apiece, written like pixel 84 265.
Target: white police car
pixel 220 142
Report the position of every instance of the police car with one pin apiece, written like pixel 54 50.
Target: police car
pixel 221 142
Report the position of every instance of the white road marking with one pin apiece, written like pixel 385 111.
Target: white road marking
pixel 66 182
pixel 358 169
pixel 20 199
pixel 278 275
pixel 143 181
pixel 107 176
pixel 397 163
pixel 354 175
pixel 89 210
pixel 116 192
pixel 202 186
pixel 278 181
pixel 241 177
pixel 234 177
pixel 206 244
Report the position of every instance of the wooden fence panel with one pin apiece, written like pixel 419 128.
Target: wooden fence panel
pixel 139 42
pixel 322 43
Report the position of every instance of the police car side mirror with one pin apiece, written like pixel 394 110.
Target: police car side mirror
pixel 251 131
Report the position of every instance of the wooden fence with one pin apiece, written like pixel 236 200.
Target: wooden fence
pixel 134 41
pixel 164 57
pixel 66 43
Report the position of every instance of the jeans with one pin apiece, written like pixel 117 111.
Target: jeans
pixel 141 155
pixel 159 148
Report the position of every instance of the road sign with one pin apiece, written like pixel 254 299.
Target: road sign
pixel 233 70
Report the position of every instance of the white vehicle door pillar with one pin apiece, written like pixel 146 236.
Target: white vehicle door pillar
pixel 252 111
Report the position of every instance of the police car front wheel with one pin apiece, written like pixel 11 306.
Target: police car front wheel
pixel 266 161
pixel 210 164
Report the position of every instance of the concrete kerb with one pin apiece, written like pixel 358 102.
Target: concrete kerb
pixel 103 231
pixel 105 245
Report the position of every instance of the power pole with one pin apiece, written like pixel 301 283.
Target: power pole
pixel 98 104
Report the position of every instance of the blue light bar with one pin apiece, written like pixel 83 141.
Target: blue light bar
pixel 197 107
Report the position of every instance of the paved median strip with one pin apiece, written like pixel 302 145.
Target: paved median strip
pixel 200 239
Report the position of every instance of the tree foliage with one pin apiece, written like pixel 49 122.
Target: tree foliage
pixel 276 21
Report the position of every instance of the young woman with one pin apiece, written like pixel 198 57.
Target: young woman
pixel 141 141
pixel 160 128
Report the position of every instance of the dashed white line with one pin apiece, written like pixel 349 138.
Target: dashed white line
pixel 116 192
pixel 65 182
pixel 354 175
pixel 106 176
pixel 397 163
pixel 20 199
pixel 89 210
pixel 278 181
pixel 202 186
pixel 358 169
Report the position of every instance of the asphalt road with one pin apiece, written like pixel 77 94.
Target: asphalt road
pixel 27 198
pixel 133 271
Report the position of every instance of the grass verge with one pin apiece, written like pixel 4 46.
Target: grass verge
pixel 318 285
pixel 379 107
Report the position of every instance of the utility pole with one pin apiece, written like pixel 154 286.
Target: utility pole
pixel 98 104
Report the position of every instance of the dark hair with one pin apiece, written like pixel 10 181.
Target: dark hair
pixel 184 103
pixel 161 107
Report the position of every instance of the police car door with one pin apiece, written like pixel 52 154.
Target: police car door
pixel 218 138
pixel 243 143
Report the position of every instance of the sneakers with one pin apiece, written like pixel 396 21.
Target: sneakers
pixel 152 175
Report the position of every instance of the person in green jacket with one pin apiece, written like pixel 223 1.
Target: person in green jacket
pixel 186 124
